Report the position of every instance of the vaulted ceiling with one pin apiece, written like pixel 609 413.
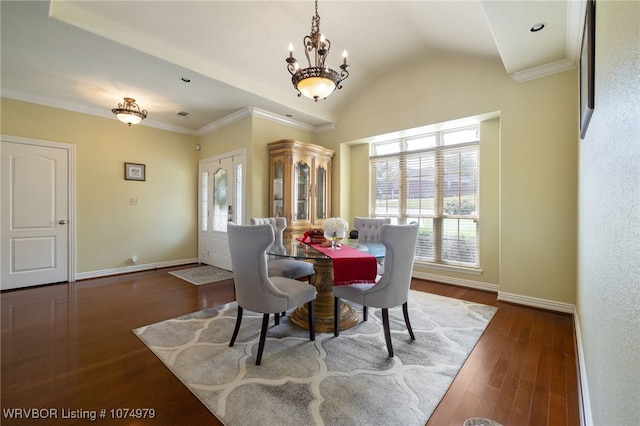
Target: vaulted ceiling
pixel 87 55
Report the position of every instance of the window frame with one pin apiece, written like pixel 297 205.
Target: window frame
pixel 437 215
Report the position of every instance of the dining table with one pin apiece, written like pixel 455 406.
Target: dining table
pixel 323 278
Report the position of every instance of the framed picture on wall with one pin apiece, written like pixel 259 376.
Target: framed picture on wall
pixel 133 171
pixel 587 68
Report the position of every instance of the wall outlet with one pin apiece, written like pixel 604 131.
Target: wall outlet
pixel 134 201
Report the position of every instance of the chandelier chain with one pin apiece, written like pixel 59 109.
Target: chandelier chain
pixel 315 22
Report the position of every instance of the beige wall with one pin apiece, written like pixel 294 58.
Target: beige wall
pixel 608 304
pixel 109 229
pixel 533 178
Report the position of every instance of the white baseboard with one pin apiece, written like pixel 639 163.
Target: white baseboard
pixel 534 302
pixel 133 268
pixel 585 399
pixel 457 281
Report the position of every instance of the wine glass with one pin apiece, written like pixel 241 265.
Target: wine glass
pixel 334 237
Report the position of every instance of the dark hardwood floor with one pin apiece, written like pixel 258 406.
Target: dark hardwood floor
pixel 71 347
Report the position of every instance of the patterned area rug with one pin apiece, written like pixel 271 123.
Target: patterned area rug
pixel 348 380
pixel 203 274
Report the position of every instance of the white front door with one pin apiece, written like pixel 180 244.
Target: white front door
pixel 35 234
pixel 220 202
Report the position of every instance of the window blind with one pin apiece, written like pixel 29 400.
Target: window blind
pixel 437 187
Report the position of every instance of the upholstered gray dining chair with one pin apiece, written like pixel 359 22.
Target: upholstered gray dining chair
pixel 368 229
pixel 283 267
pixel 392 288
pixel 255 290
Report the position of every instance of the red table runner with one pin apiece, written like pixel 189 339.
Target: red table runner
pixel 350 266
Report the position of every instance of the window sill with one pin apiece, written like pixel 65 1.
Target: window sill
pixel 450 268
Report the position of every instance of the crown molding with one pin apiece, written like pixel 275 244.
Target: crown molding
pixel 257 112
pixel 576 12
pixel 224 121
pixel 543 70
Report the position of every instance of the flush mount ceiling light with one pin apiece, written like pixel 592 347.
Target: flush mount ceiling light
pixel 317 80
pixel 129 112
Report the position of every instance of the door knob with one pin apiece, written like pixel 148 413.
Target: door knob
pixel 62 222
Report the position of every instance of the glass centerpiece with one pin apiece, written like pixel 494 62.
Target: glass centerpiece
pixel 335 229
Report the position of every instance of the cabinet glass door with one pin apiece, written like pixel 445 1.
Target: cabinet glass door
pixel 321 185
pixel 301 195
pixel 278 189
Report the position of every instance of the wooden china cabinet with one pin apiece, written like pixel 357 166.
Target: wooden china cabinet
pixel 300 184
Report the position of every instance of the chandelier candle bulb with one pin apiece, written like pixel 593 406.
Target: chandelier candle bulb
pixel 344 57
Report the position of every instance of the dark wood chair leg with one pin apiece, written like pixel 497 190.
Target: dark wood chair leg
pixel 263 337
pixel 365 313
pixel 277 320
pixel 387 331
pixel 336 316
pixel 237 328
pixel 405 311
pixel 312 320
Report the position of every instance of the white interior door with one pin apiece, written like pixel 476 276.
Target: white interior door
pixel 35 235
pixel 220 202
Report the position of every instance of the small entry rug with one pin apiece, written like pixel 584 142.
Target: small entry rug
pixel 348 380
pixel 203 274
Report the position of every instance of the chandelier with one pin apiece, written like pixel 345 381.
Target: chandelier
pixel 129 112
pixel 317 81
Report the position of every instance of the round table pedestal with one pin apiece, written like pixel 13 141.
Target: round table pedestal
pixel 323 281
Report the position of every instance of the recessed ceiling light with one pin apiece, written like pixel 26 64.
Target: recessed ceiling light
pixel 185 79
pixel 537 27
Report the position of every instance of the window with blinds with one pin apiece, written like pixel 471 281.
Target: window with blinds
pixel 433 180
